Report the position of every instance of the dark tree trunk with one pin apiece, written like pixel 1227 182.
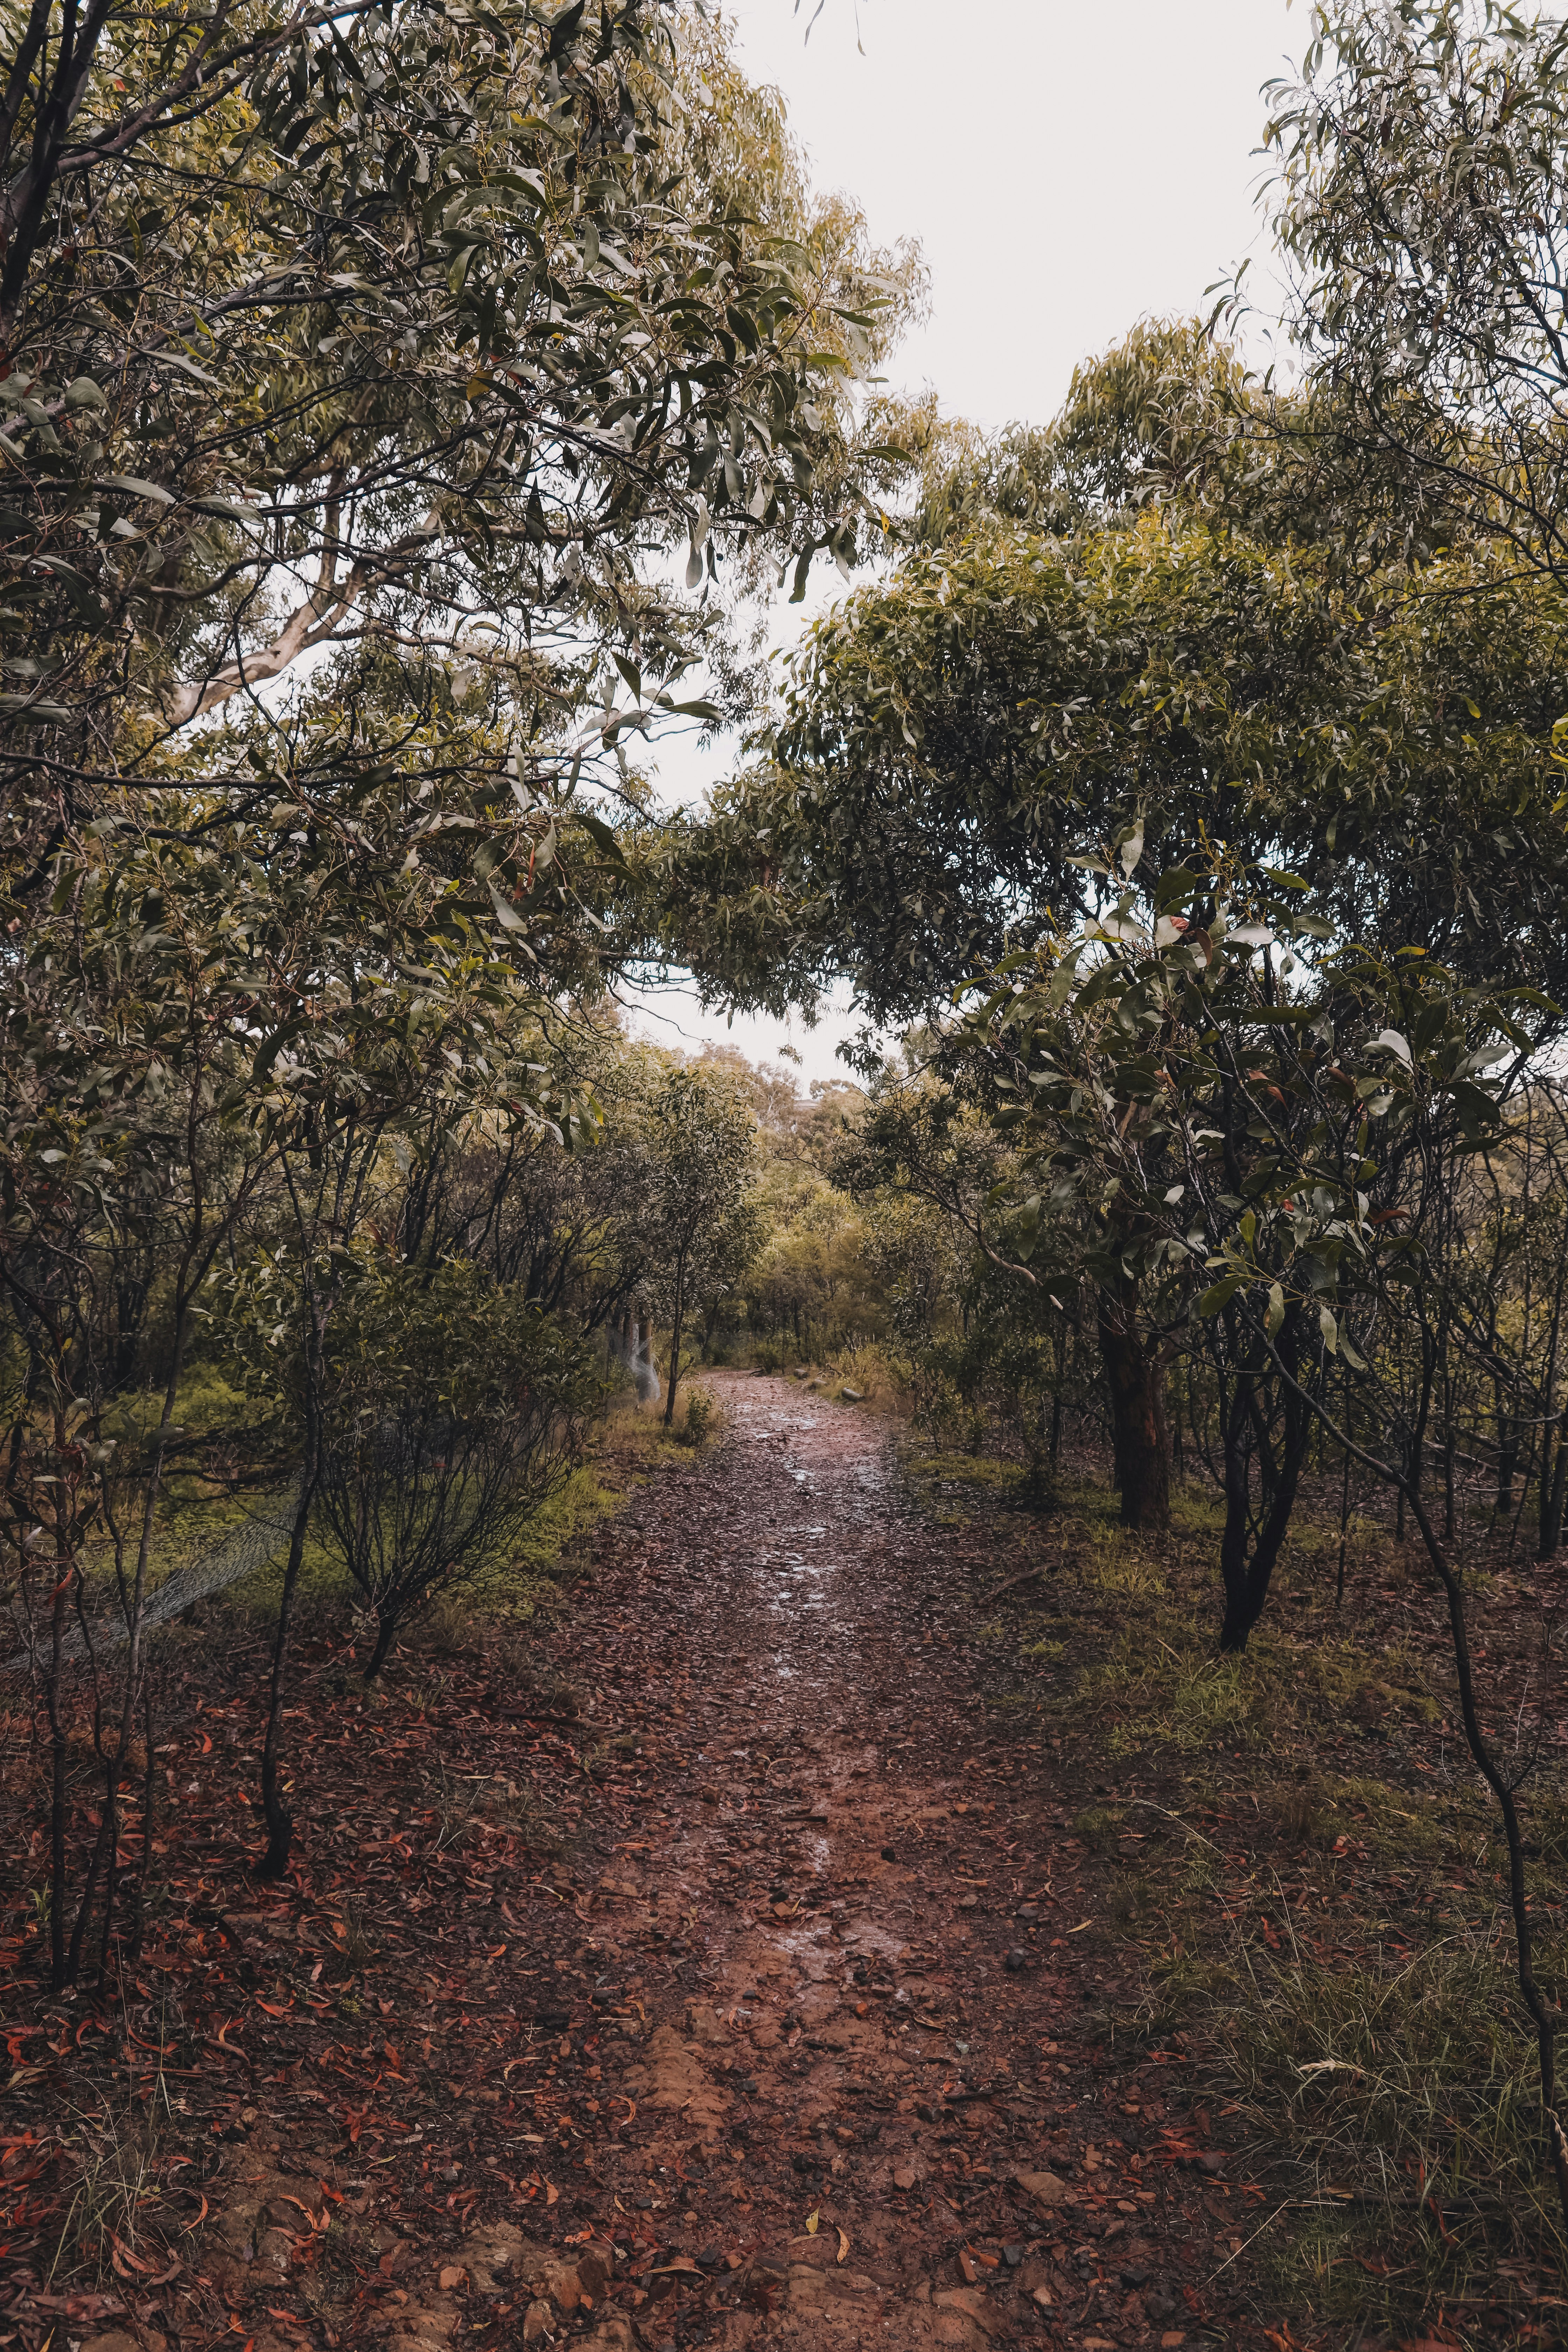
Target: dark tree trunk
pixel 1553 1487
pixel 1507 1464
pixel 1252 1540
pixel 1135 1376
pixel 58 1790
pixel 1248 1562
pixel 386 1629
pixel 149 1830
pixel 102 1852
pixel 129 1307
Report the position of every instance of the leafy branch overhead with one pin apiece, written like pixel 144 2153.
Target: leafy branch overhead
pixel 397 324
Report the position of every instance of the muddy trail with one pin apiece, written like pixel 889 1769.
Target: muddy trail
pixel 876 2104
pixel 812 2033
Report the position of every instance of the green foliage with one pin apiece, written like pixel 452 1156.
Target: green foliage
pixel 698 1426
pixel 546 318
pixel 950 740
pixel 445 1408
pixel 1419 199
pixel 702 1167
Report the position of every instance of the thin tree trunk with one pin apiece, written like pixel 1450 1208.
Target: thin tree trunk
pixel 1544 2020
pixel 1507 1460
pixel 1345 1505
pixel 1135 1378
pixel 279 1821
pixel 1247 1580
pixel 57 1783
pixel 149 1825
pixel 675 1337
pixel 1559 1495
pixel 385 1632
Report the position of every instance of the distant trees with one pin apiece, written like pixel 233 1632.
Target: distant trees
pixel 1223 641
pixel 702 1165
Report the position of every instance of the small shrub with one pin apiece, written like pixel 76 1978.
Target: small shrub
pixel 1128 1905
pixel 878 1378
pixel 702 1408
pixel 449 1624
pixel 117 2168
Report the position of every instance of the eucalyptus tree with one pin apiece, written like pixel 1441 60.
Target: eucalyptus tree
pixel 1420 199
pixel 1213 1103
pixel 389 321
pixel 951 742
pixel 1207 625
pixel 1273 1127
pixel 381 356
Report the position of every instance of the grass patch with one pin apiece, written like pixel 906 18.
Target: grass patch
pixel 955 1471
pixel 1412 2108
pixel 1159 1686
pixel 1098 1828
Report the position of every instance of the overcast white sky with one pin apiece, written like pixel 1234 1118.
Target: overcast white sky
pixel 1067 169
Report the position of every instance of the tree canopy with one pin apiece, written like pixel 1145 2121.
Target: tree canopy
pixel 954 740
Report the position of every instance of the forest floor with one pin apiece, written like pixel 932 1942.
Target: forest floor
pixel 762 1972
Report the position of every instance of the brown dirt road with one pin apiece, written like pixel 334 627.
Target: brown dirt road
pixel 877 2071
pixel 814 2034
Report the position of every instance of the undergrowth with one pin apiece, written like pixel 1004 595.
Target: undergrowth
pixel 1411 2110
pixel 1298 1855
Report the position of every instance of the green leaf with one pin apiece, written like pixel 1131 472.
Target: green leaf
pixel 132 487
pixel 1276 1316
pixel 506 913
pixel 1175 887
pixel 600 835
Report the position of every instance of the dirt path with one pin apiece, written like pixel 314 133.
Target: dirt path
pixel 876 2106
pixel 811 2033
